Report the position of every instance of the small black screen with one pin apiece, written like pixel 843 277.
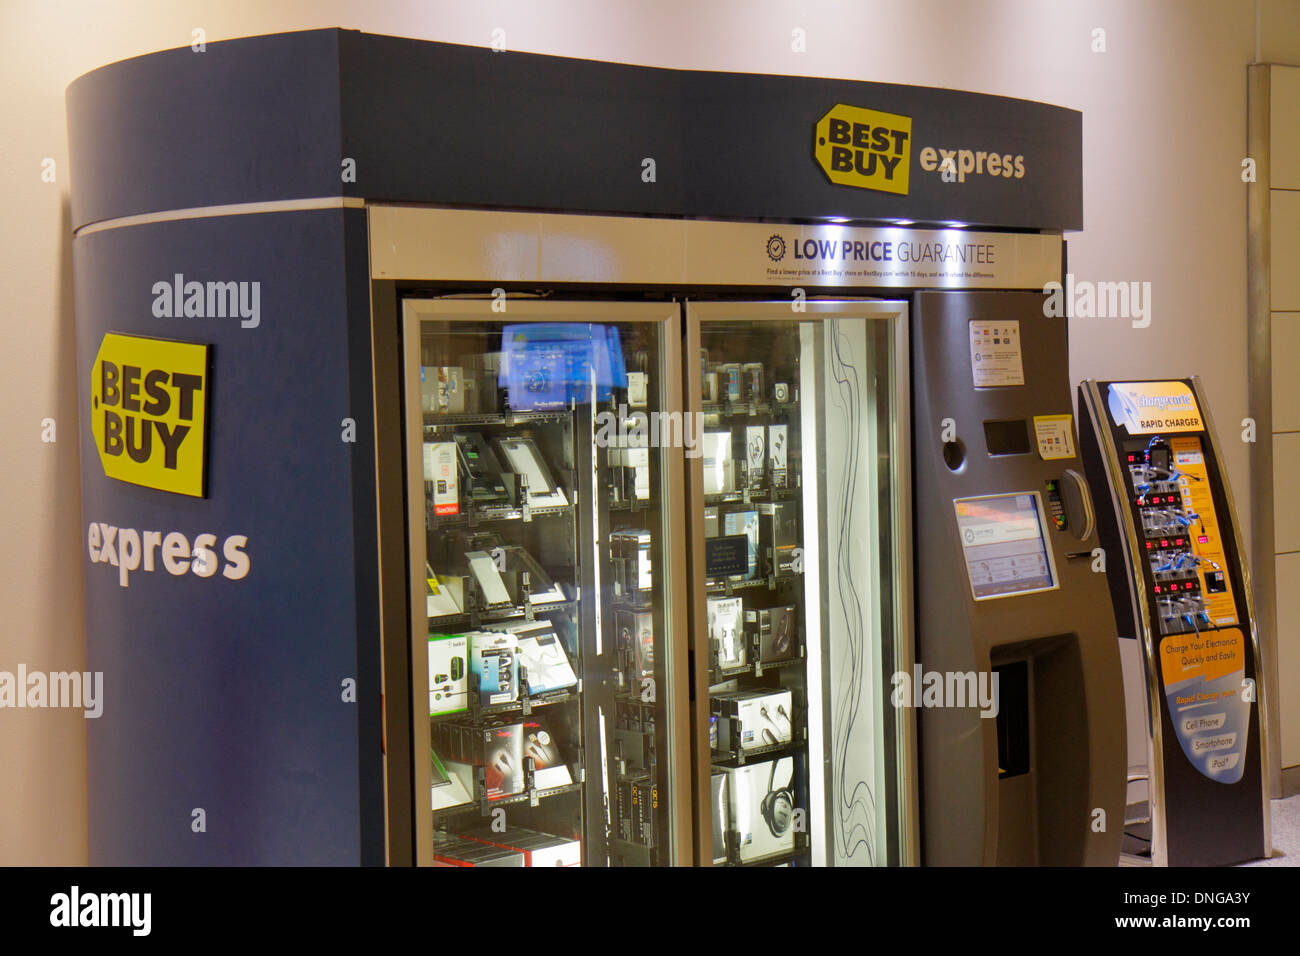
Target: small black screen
pixel 1007 438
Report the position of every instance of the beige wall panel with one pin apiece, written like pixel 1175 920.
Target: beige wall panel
pixel 1286 376
pixel 1288 656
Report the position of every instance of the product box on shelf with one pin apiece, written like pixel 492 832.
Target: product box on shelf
pixel 453 782
pixel 484 482
pixel 541 588
pixel 761 807
pixel 638 389
pixel 750 719
pixel 497 748
pixel 441 474
pixel 755 461
pixel 636 632
pixel 494 660
pixel 539 849
pixel 549 766
pixel 711 526
pixel 726 631
pixel 729 384
pixel 778 532
pixel 777 632
pixel 484 570
pixel 524 459
pixel 778 456
pixel 451 389
pixel 638 460
pixel 636 802
pixel 541 655
pixel 448 673
pixel 457 851
pixel 443 594
pixel 709 388
pixel 635 748
pixel 633 564
pixel 444 389
pixel 719 469
pixel 721 815
pixel 751 374
pixel 746 523
pixel 629 473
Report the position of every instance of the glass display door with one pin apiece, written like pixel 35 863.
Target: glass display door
pixel 800 565
pixel 547 574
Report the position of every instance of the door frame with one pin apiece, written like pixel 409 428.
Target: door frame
pixel 900 773
pixel 415 309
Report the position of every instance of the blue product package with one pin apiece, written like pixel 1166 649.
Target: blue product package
pixel 494 660
pixel 545 364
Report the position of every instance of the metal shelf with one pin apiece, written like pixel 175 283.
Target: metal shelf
pixel 748 409
pixel 757 496
pixel 718 675
pixel 472 515
pixel 630 507
pixel 738 758
pixel 775 859
pixel 434 420
pixel 502 613
pixel 531 797
pixel 524 705
pixel 726 587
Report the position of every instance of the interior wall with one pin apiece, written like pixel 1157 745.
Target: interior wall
pixel 1164 132
pixel 1283 275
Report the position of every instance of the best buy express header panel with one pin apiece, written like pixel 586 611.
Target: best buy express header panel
pixel 341 113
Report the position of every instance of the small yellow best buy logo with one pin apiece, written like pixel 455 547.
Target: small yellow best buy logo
pixel 864 148
pixel 148 412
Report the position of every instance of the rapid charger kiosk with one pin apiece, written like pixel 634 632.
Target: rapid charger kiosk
pixel 1181 588
pixel 1006 585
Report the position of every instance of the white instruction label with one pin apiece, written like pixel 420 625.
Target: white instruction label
pixel 995 353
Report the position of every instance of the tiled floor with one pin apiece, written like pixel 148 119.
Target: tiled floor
pixel 1285 816
pixel 1286 834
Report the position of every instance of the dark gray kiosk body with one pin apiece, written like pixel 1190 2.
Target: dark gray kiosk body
pixel 1024 787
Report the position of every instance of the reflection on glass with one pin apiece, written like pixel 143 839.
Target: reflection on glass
pixel 798 536
pixel 545 633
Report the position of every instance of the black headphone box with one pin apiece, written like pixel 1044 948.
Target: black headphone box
pixel 778 537
pixel 778 632
pixel 637 641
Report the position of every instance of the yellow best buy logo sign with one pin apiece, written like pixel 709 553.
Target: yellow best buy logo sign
pixel 148 412
pixel 864 148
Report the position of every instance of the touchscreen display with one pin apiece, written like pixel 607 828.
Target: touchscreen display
pixel 1003 542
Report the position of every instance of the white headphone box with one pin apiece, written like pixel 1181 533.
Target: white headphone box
pixel 752 719
pixel 762 807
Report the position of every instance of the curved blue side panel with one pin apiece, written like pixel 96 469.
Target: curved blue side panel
pixel 251 120
pixel 222 695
